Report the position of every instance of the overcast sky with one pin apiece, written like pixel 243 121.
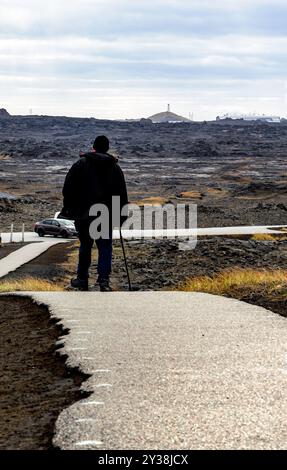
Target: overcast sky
pixel 129 58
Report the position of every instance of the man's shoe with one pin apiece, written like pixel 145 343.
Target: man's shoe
pixel 80 284
pixel 104 284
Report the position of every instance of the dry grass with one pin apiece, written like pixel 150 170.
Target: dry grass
pixel 30 284
pixel 228 282
pixel 72 258
pixel 153 201
pixel 4 157
pixel 49 284
pixel 264 237
pixel 191 195
pixel 268 237
pixel 217 192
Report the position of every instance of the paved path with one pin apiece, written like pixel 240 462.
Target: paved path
pixel 29 237
pixel 212 231
pixel 172 371
pixel 25 254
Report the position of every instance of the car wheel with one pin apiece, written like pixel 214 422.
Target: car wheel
pixel 64 234
pixel 41 232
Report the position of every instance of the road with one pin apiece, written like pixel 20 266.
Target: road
pixel 29 237
pixel 172 370
pixel 129 234
pixel 25 254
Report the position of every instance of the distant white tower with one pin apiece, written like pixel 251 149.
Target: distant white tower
pixel 168 108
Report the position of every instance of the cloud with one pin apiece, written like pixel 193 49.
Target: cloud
pixel 224 56
pixel 113 18
pixel 170 44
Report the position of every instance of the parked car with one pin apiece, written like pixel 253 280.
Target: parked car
pixel 56 227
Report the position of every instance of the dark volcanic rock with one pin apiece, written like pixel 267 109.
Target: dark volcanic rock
pixel 146 122
pixel 260 187
pixel 4 114
pixel 7 197
pixel 156 264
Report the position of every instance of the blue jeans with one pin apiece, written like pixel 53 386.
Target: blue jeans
pixel 105 252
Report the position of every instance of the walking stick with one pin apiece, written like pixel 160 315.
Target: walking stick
pixel 126 264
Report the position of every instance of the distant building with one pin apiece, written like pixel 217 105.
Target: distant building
pixel 249 117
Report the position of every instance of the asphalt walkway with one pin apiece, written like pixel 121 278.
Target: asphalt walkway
pixel 172 370
pixel 24 255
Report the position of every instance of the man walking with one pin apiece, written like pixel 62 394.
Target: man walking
pixel 94 179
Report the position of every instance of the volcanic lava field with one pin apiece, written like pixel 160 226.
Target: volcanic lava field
pixel 235 171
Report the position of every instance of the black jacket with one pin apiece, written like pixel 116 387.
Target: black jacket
pixel 93 179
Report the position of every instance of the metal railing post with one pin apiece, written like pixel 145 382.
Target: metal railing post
pixel 11 234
